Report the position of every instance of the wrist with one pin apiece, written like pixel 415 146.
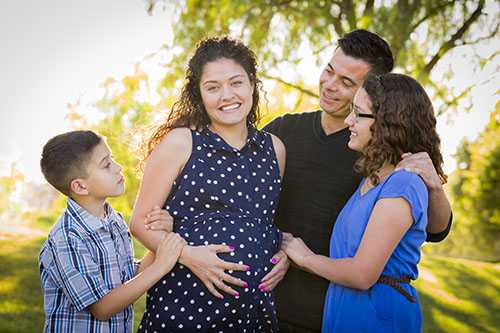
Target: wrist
pixel 304 263
pixel 156 269
pixel 436 188
pixel 185 255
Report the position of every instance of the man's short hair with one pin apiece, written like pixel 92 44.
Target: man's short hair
pixel 369 47
pixel 65 157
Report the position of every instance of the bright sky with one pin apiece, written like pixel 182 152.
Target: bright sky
pixel 58 51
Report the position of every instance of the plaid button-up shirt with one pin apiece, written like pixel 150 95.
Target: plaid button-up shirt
pixel 82 260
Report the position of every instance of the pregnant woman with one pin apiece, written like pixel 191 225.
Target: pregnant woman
pixel 219 177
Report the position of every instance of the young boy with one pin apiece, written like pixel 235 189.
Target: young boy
pixel 88 275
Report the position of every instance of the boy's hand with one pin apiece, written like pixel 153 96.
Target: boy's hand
pixel 159 219
pixel 168 252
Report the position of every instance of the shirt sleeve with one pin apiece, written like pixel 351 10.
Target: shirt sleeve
pixel 410 187
pixel 78 273
pixel 435 238
pixel 274 126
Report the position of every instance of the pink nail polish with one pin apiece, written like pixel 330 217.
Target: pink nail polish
pixel 263 288
pixel 274 260
pixel 248 268
pixel 245 285
pixel 237 294
pixel 231 248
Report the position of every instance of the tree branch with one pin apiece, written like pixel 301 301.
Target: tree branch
pixel 483 38
pixel 369 8
pixel 452 42
pixel 432 12
pixel 291 85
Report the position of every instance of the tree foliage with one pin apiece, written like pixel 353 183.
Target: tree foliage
pixel 475 190
pixel 420 32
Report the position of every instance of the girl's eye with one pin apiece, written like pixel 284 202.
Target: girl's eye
pixel 107 165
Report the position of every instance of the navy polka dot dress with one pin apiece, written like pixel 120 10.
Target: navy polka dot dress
pixel 222 196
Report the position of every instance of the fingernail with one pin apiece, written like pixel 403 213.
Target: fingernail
pixel 248 268
pixel 237 294
pixel 245 285
pixel 274 260
pixel 231 248
pixel 263 288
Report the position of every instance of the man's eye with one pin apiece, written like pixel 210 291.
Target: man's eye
pixel 347 83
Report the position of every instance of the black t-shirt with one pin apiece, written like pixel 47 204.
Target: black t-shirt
pixel 319 179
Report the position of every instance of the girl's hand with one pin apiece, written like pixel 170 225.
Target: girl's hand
pixel 159 219
pixel 296 249
pixel 168 252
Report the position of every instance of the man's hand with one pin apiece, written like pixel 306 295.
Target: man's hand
pixel 421 164
pixel 159 219
pixel 281 265
pixel 210 269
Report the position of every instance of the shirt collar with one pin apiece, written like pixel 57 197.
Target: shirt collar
pixel 215 141
pixel 89 221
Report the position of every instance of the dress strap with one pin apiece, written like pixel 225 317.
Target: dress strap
pixel 395 283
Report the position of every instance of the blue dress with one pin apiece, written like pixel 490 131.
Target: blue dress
pixel 222 196
pixel 381 308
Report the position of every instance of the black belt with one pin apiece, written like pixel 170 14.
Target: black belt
pixel 394 283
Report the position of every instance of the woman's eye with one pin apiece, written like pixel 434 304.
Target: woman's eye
pixel 212 88
pixel 237 83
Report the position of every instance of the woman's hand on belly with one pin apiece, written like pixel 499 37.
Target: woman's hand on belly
pixel 281 264
pixel 210 269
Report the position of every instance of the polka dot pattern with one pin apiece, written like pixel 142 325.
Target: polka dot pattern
pixel 222 196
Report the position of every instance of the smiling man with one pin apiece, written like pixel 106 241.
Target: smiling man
pixel 320 178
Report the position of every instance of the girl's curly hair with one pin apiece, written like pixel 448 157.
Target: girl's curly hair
pixel 404 122
pixel 188 110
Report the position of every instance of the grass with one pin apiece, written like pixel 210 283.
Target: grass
pixel 456 295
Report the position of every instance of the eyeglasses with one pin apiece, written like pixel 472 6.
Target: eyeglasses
pixel 358 114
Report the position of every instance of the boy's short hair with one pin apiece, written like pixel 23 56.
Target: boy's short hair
pixel 65 157
pixel 369 47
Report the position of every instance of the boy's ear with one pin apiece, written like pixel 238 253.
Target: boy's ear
pixel 78 186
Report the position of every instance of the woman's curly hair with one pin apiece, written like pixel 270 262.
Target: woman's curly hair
pixel 404 122
pixel 188 110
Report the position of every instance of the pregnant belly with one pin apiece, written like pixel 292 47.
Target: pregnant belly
pixel 255 241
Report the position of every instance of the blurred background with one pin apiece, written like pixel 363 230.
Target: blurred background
pixel 117 67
